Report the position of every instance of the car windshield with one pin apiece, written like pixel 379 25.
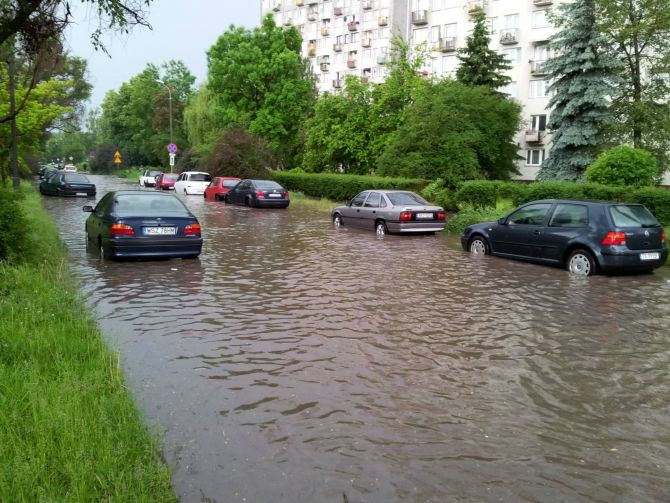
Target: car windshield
pixel 200 177
pixel 230 183
pixel 266 184
pixel 149 204
pixel 632 215
pixel 75 178
pixel 405 199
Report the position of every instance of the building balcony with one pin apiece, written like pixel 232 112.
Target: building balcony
pixel 475 6
pixel 382 59
pixel 325 31
pixel 337 83
pixel 382 21
pixel 538 67
pixel 351 63
pixel 337 47
pixel 352 26
pixel 287 21
pixel 312 2
pixel 300 3
pixel 420 17
pixel 311 50
pixel 448 44
pixel 325 67
pixel 542 3
pixel 509 36
pixel 312 16
pixel 366 42
pixel 337 11
pixel 534 136
pixel 367 4
pixel 276 6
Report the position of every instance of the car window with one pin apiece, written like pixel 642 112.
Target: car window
pixel 570 215
pixel 373 200
pixel 103 205
pixel 382 202
pixel 267 184
pixel 154 173
pixel 358 200
pixel 632 215
pixel 169 176
pixel 75 178
pixel 230 183
pixel 533 214
pixel 149 204
pixel 200 177
pixel 214 182
pixel 406 199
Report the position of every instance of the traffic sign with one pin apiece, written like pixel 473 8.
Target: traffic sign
pixel 172 159
pixel 172 148
pixel 117 157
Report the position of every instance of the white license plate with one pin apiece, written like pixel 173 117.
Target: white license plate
pixel 650 256
pixel 160 231
pixel 81 193
pixel 424 216
pixel 274 195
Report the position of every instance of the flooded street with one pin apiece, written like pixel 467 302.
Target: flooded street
pixel 297 363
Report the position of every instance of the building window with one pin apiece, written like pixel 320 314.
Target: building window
pixel 538 88
pixel 534 157
pixel 540 19
pixel 513 55
pixel 538 122
pixel 511 89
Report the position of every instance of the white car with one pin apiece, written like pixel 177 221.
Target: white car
pixel 148 178
pixel 192 182
pixel 70 168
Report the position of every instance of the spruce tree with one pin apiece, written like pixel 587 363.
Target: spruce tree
pixel 583 78
pixel 480 65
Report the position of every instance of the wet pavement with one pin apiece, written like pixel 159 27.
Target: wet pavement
pixel 298 363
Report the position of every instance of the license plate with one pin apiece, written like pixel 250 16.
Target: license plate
pixel 160 231
pixel 274 195
pixel 81 193
pixel 424 216
pixel 650 256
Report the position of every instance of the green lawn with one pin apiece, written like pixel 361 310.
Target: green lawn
pixel 69 430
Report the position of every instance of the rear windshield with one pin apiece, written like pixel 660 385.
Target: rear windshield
pixel 266 184
pixel 74 178
pixel 154 173
pixel 200 177
pixel 632 215
pixel 170 176
pixel 149 204
pixel 405 199
pixel 230 183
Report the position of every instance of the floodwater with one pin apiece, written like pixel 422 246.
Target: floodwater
pixel 298 363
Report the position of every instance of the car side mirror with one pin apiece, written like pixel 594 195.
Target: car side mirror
pixel 502 221
pixel 88 208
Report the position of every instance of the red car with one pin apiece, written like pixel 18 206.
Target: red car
pixel 219 186
pixel 165 181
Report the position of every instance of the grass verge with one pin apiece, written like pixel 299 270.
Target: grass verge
pixel 320 204
pixel 69 430
pixel 130 173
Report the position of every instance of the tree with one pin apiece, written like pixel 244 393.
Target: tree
pixel 239 153
pixel 262 83
pixel 480 65
pixel 638 34
pixel 583 77
pixel 454 132
pixel 199 122
pixel 624 166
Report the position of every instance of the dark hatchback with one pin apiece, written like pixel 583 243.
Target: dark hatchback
pixel 139 224
pixel 258 194
pixel 584 236
pixel 67 184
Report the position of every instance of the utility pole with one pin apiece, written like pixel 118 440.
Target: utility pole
pixel 170 107
pixel 14 150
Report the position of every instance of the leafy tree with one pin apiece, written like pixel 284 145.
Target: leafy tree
pixel 199 122
pixel 65 145
pixel 624 166
pixel 103 159
pixel 480 65
pixel 239 153
pixel 582 78
pixel 454 132
pixel 262 83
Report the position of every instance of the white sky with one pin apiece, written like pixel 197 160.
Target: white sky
pixel 182 30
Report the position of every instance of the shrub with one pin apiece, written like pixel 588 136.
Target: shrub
pixel 553 190
pixel 239 153
pixel 341 187
pixel 478 194
pixel 513 191
pixel 469 216
pixel 14 228
pixel 600 192
pixel 440 195
pixel 657 200
pixel 624 166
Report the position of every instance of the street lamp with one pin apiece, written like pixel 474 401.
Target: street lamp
pixel 170 104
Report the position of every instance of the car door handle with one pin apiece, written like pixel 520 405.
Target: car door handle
pixel 358 211
pixel 374 211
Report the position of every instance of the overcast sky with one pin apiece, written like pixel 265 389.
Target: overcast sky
pixel 182 29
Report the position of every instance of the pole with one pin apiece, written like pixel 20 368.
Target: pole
pixel 170 102
pixel 14 151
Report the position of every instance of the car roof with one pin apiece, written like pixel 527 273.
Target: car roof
pixel 140 192
pixel 581 201
pixel 194 172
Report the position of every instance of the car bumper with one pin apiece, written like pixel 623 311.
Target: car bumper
pixel 270 203
pixel 79 192
pixel 630 260
pixel 140 247
pixel 415 227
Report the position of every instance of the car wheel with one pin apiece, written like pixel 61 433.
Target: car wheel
pixel 479 246
pixel 247 202
pixel 381 229
pixel 59 192
pixel 581 263
pixel 226 199
pixel 217 197
pixel 337 221
pixel 101 248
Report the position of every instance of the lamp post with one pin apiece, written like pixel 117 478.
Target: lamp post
pixel 170 105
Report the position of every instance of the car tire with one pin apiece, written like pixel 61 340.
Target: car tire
pixel 581 263
pixel 217 197
pixel 479 246
pixel 337 221
pixel 226 199
pixel 247 202
pixel 101 248
pixel 59 193
pixel 380 228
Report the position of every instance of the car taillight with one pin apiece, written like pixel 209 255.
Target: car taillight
pixel 191 229
pixel 260 194
pixel 286 194
pixel 121 230
pixel 405 216
pixel 663 236
pixel 614 239
pixel 441 215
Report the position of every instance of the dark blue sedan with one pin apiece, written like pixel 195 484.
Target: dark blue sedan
pixel 138 224
pixel 67 184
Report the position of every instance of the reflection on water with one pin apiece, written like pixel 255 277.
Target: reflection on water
pixel 294 362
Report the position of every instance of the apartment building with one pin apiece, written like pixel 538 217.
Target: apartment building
pixel 353 37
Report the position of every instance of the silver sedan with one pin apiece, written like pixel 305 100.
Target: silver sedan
pixel 390 211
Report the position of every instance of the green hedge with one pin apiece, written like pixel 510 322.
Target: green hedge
pixel 341 187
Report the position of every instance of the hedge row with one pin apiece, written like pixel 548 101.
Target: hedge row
pixel 487 193
pixel 341 187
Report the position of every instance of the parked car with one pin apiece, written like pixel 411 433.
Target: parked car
pixel 192 182
pixel 46 172
pixel 61 183
pixel 584 236
pixel 390 211
pixel 70 168
pixel 165 181
pixel 258 194
pixel 219 186
pixel 148 178
pixel 136 224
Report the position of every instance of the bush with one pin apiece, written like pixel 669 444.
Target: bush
pixel 624 166
pixel 14 228
pixel 341 187
pixel 478 194
pixel 657 200
pixel 513 191
pixel 439 195
pixel 469 216
pixel 239 153
pixel 600 192
pixel 553 190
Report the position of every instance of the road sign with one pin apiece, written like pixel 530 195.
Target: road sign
pixel 117 157
pixel 172 148
pixel 171 159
